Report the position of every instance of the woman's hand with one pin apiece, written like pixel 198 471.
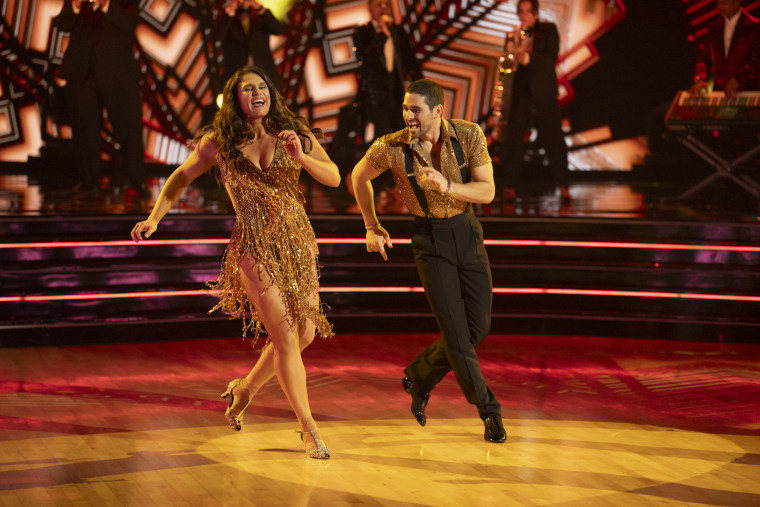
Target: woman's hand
pixel 315 161
pixel 292 144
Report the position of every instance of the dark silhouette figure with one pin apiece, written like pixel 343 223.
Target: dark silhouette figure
pixel 244 30
pixel 386 64
pixel 101 72
pixel 534 99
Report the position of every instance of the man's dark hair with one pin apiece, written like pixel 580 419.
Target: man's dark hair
pixel 430 91
pixel 533 6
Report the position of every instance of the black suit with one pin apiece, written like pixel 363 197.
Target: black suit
pixel 380 93
pixel 534 96
pixel 101 71
pixel 238 44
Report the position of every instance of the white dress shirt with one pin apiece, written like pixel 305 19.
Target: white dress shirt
pixel 388 49
pixel 729 26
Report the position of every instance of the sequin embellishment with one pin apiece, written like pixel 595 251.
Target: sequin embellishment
pixel 271 226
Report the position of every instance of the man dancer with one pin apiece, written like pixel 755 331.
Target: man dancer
pixel 440 167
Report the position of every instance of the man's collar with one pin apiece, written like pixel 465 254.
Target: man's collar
pixel 733 20
pixel 450 132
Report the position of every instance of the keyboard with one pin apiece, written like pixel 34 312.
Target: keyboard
pixel 708 111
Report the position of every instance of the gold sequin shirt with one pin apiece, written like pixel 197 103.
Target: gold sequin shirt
pixel 387 152
pixel 273 228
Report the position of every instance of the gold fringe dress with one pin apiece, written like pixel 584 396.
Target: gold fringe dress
pixel 273 228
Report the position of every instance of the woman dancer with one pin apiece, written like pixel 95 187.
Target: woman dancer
pixel 269 267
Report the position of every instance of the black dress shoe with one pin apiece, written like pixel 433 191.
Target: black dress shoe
pixel 419 402
pixel 407 384
pixel 495 431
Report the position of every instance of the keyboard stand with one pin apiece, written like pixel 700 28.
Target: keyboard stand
pixel 723 168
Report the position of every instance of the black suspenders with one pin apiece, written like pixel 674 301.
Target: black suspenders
pixel 409 166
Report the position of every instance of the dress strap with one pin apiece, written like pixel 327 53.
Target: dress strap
pixel 222 167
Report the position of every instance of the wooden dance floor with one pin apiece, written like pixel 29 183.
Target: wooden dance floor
pixel 591 421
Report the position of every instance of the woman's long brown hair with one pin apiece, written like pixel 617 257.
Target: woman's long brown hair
pixel 230 126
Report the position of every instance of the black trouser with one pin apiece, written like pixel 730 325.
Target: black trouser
pixel 547 118
pixel 121 98
pixel 85 120
pixel 453 266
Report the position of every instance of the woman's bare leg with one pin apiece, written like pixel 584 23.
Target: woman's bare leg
pixel 285 343
pixel 263 370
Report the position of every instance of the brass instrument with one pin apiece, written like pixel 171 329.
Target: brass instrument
pixel 508 61
pixel 507 64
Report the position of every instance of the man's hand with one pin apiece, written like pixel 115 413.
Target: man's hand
pixel 699 86
pixel 146 227
pixel 732 88
pixel 523 57
pixel 377 238
pixel 232 7
pixel 433 179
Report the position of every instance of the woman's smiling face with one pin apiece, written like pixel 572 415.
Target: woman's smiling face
pixel 253 96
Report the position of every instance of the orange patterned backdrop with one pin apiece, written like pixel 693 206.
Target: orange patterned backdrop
pixel 458 41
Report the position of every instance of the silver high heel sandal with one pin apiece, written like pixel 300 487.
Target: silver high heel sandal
pixel 321 452
pixel 234 418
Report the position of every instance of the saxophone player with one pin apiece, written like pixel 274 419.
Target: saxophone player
pixel 533 97
pixel 518 47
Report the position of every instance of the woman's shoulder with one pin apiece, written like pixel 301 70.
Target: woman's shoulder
pixel 208 140
pixel 207 146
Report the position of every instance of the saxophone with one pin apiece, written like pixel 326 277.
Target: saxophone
pixel 515 41
pixel 507 64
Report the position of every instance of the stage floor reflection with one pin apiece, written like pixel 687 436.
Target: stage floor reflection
pixel 591 421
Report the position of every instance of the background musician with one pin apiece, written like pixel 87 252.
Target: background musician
pixel 101 72
pixel 729 59
pixel 387 63
pixel 244 32
pixel 534 97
